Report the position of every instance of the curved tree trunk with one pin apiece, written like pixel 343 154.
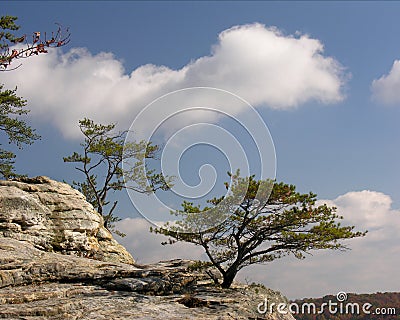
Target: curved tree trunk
pixel 228 277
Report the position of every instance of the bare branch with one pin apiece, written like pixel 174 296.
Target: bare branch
pixel 38 46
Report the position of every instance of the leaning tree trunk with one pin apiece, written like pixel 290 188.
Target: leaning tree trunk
pixel 228 277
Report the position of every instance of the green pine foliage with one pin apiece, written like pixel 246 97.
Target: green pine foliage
pixel 7 37
pixel 13 128
pixel 103 153
pixel 256 231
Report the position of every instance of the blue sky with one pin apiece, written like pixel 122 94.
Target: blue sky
pixel 338 135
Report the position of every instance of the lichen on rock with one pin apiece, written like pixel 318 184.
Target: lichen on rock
pixel 56 218
pixel 57 261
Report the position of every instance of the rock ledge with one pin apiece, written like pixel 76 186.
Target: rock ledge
pixel 54 217
pixel 57 261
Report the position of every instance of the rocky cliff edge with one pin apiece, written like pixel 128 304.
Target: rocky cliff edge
pixel 57 261
pixel 54 217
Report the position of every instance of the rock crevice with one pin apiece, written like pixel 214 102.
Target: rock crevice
pixel 56 218
pixel 57 261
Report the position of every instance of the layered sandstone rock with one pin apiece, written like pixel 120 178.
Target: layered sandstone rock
pixel 57 261
pixel 54 217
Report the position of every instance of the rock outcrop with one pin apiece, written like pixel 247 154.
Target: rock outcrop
pixel 58 262
pixel 54 217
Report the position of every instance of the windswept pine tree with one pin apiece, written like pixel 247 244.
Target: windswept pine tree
pixel 257 229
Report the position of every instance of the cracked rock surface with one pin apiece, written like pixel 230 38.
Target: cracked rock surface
pixel 57 261
pixel 55 217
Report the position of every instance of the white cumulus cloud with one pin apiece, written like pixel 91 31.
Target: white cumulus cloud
pixel 258 63
pixel 367 209
pixel 386 89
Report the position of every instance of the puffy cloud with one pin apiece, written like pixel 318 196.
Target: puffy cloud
pixel 265 67
pixel 366 209
pixel 386 88
pixel 371 265
pixel 260 64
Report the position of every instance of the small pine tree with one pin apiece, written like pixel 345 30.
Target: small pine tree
pixel 104 152
pixel 14 128
pixel 257 232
